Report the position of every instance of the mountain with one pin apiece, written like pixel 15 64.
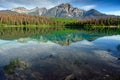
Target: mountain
pixel 61 11
pixel 20 10
pixel 68 11
pixel 8 12
pixel 35 11
pixel 65 11
pixel 93 14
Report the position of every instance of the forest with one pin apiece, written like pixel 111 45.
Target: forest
pixel 24 20
pixel 26 25
pixel 109 25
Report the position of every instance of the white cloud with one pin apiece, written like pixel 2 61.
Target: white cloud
pixel 113 13
pixel 31 3
pixel 88 7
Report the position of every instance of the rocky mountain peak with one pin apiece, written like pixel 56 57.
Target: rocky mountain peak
pixel 65 10
pixel 20 10
pixel 67 5
pixel 93 12
pixel 38 11
pixel 34 9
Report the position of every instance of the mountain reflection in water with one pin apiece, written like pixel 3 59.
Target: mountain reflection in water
pixel 93 60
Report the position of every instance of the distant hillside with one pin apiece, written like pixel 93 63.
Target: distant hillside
pixel 8 12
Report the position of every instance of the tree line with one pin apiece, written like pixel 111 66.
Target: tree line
pixel 106 25
pixel 23 19
pixel 111 21
pixel 103 25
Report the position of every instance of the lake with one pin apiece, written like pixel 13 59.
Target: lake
pixel 63 56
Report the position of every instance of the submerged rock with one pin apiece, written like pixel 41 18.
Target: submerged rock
pixel 71 77
pixel 13 71
pixel 118 47
pixel 119 58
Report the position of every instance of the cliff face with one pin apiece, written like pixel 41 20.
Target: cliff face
pixel 62 11
pixel 65 11
pixel 35 11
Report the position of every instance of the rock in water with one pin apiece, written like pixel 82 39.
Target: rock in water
pixel 71 77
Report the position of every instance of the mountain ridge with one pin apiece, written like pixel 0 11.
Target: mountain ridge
pixel 64 10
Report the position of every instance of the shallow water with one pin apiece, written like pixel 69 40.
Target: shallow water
pixel 47 54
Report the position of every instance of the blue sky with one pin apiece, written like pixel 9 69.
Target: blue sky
pixel 105 6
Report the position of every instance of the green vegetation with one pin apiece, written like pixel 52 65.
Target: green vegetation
pixel 64 21
pixel 21 20
pixel 103 25
pixel 10 68
pixel 15 64
pixel 17 32
pixel 63 31
pixel 20 25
